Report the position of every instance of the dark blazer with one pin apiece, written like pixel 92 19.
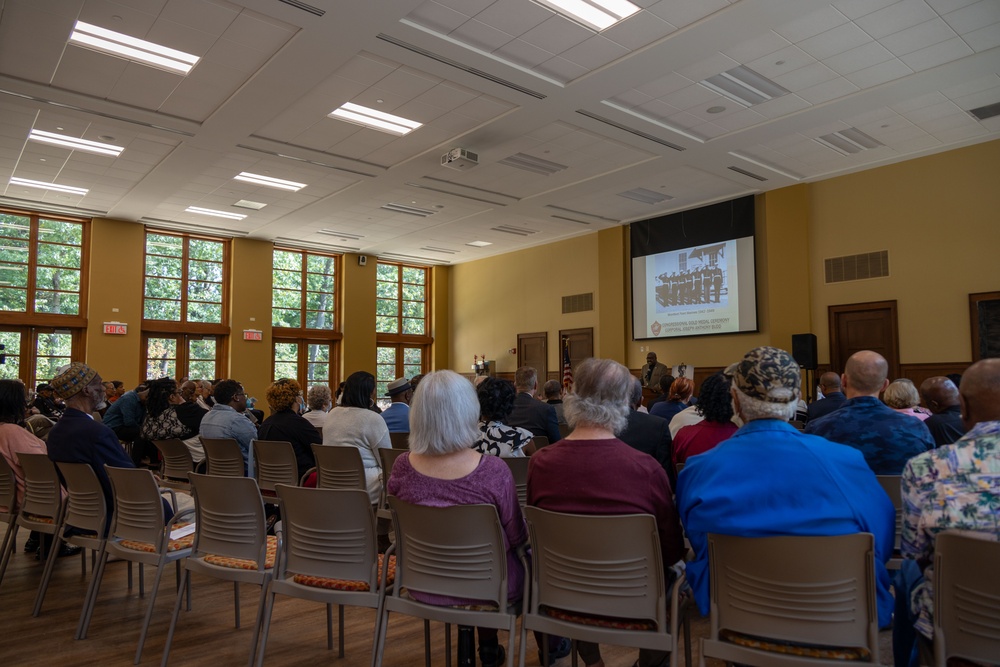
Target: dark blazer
pixel 649 434
pixel 534 415
pixel 830 402
pixel 947 426
pixel 293 428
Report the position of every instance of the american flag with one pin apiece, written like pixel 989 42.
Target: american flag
pixel 567 379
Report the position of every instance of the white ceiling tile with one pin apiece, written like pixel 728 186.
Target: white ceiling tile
pixel 853 9
pixel 595 52
pixel 812 24
pixel 972 86
pixel 899 16
pixel 258 32
pixel 790 58
pixel 858 58
pixel 975 16
pixel 692 96
pixel 962 133
pixel 470 7
pixel 740 120
pixel 680 13
pixel 933 112
pixel 826 91
pixel 631 98
pixel 366 68
pixel 781 106
pixel 438 17
pixel 514 17
pixel 657 109
pixel 556 35
pixel 837 40
pixel 803 77
pixel 213 18
pixel 27 29
pixel 665 85
pixel 522 53
pixel 234 55
pixel 88 71
pixel 877 74
pixel 983 39
pixel 408 82
pixel 639 31
pixel 480 35
pixel 447 96
pixel 932 56
pixel 944 6
pixel 710 66
pixel 918 102
pixel 710 130
pixel 754 48
pixel 917 37
pixel 181 37
pixel 976 100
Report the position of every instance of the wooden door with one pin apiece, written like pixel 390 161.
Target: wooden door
pixel 864 326
pixel 532 350
pixel 581 345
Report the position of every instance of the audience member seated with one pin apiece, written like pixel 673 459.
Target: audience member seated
pixel 46 403
pixel 886 438
pixel 592 472
pixel 285 423
pixel 664 388
pixel 320 401
pixel 162 421
pixel 553 391
pixel 496 400
pixel 227 419
pixel 125 417
pixel 442 468
pixel 677 399
pixel 901 395
pixel 355 424
pixel 397 415
pixel 952 487
pixel 529 412
pixel 716 406
pixel 646 432
pixel 833 397
pixel 15 439
pixel 190 412
pixel 769 479
pixel 941 397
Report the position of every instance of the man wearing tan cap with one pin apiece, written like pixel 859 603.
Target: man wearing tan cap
pixel 768 479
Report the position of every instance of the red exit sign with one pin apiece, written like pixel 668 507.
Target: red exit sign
pixel 253 334
pixel 115 328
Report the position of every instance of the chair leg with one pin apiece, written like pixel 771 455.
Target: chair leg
pixel 142 581
pixel 236 601
pixel 8 546
pixel 686 622
pixel 381 629
pixel 257 623
pixel 340 630
pixel 447 645
pixel 149 610
pixel 50 563
pixel 265 627
pixel 329 627
pixel 185 576
pixel 96 574
pixel 83 562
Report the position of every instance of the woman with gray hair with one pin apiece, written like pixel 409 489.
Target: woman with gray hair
pixel 319 400
pixel 902 396
pixel 441 469
pixel 590 471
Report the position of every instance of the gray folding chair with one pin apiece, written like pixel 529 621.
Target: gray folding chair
pixel 275 463
pixel 400 440
pixel 891 485
pixel 966 598
pixel 176 462
pixel 339 467
pixel 519 468
pixel 457 551
pixel 792 600
pixel 328 554
pixel 388 458
pixel 224 457
pixel 8 512
pixel 44 505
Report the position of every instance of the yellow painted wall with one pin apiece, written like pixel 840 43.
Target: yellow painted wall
pixel 116 264
pixel 441 317
pixel 939 218
pixel 494 299
pixel 358 316
pixel 612 297
pixel 250 361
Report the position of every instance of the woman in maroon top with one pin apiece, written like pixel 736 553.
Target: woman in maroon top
pixel 716 406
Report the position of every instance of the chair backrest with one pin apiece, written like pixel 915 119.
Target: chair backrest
pixel 224 457
pixel 8 491
pixel 399 440
pixel 808 590
pixel 85 507
pixel 138 506
pixel 519 468
pixel 329 533
pixel 966 598
pixel 619 575
pixel 339 467
pixel 388 458
pixel 177 462
pixel 540 441
pixel 456 551
pixel 891 485
pixel 42 488
pixel 274 463
pixel 564 429
pixel 230 517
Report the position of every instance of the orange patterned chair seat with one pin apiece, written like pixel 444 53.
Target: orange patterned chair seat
pixel 346 584
pixel 599 621
pixel 173 545
pixel 246 563
pixel 38 518
pixel 846 653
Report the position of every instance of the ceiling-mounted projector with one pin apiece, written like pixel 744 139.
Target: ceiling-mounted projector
pixel 459 159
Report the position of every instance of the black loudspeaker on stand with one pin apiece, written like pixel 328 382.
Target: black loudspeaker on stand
pixel 804 352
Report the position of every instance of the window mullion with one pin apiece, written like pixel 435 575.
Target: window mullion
pixel 32 268
pixel 185 257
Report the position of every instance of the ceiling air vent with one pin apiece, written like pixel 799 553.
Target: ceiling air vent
pixel 626 128
pixel 857 267
pixel 408 210
pixel 749 174
pixel 745 86
pixel 517 231
pixel 343 236
pixel 578 303
pixel 849 141
pixel 988 111
pixel 645 196
pixel 444 251
pixel 304 7
pixel 533 164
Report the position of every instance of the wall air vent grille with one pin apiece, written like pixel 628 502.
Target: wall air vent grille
pixel 578 303
pixel 857 267
pixel 988 111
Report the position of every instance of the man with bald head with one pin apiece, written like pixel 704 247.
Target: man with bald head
pixel 888 439
pixel 940 395
pixel 833 396
pixel 952 487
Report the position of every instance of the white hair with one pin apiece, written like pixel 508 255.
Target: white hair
pixel 601 392
pixel 444 415
pixel 752 408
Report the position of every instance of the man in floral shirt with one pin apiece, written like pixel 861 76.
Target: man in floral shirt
pixel 956 487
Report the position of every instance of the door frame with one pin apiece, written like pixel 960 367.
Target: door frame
pixel 833 313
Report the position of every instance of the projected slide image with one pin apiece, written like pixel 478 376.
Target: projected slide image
pixel 691 277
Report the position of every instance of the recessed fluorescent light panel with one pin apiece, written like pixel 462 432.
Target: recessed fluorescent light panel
pixel 849 141
pixel 479 244
pixel 137 50
pixel 252 205
pixel 742 84
pixel 375 120
pixel 257 179
pixel 645 196
pixel 213 212
pixel 533 164
pixel 595 14
pixel 54 187
pixel 75 144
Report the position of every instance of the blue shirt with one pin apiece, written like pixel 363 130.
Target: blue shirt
pixel 888 439
pixel 397 417
pixel 224 422
pixel 126 411
pixel 767 480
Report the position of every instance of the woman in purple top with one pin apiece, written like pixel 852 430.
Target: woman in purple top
pixel 441 470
